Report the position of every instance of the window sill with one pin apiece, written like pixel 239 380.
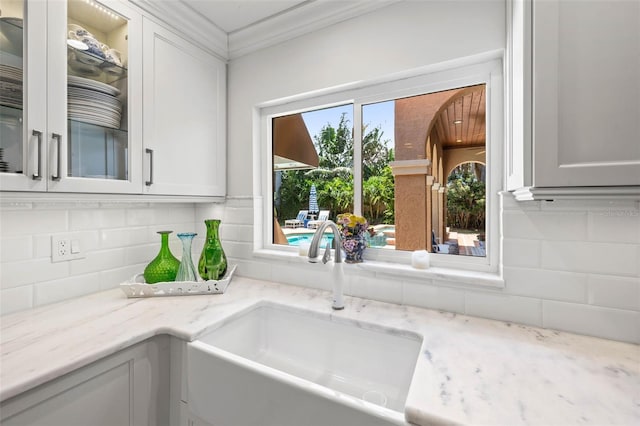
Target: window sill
pixel 444 276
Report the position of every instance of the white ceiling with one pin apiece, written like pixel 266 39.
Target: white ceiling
pixel 234 15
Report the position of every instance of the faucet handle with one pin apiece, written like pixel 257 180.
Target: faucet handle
pixel 327 253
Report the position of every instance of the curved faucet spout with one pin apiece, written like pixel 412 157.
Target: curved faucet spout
pixel 317 237
pixel 337 275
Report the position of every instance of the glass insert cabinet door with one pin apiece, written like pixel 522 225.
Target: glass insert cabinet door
pixel 13 92
pixel 71 127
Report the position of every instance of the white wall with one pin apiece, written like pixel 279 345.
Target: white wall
pixel 396 38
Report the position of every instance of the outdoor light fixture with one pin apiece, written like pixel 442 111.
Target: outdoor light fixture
pixel 457 121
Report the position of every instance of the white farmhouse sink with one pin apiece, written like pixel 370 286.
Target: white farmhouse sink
pixel 304 360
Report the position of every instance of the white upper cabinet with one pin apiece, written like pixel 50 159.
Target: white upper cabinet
pixel 575 94
pixel 184 93
pixel 70 96
pixel 23 64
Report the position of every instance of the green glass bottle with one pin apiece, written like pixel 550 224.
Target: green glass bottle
pixel 165 266
pixel 213 262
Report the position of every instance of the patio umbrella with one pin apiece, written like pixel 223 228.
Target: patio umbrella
pixel 313 200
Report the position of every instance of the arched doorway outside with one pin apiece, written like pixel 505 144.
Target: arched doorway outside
pixel 465 207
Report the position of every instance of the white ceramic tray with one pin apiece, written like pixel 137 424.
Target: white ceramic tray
pixel 136 287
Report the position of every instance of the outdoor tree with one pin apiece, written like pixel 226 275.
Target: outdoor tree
pixel 334 176
pixel 466 197
pixel 335 146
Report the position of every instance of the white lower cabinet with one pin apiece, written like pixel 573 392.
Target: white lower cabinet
pixel 128 388
pixel 184 117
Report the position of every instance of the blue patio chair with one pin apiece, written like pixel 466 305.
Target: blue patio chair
pixel 298 222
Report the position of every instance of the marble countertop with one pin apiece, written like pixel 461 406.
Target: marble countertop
pixel 470 370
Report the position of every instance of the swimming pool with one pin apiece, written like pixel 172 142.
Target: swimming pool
pixel 296 239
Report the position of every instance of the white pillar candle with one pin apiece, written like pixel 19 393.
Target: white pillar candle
pixel 303 249
pixel 420 259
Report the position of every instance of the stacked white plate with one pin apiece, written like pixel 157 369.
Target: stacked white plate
pixel 10 86
pixel 93 102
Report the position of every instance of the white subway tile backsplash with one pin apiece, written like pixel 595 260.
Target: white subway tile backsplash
pixel 143 253
pixel 382 289
pixel 237 249
pixel 97 261
pixel 16 248
pixel 619 226
pixel 582 252
pixel 524 310
pixel 123 237
pixel 614 292
pixel 16 299
pixel 174 213
pixel 56 290
pixel 251 269
pixel 545 284
pixel 518 252
pixel 210 211
pixel 599 258
pixel 427 295
pixel 92 219
pixel 29 222
pixel 236 232
pixel 140 216
pixel 595 321
pixel 42 246
pixel 15 274
pixel 315 275
pixel 567 226
pixel 118 240
pixel 113 277
pixel 241 216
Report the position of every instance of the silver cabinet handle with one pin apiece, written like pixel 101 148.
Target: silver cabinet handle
pixel 150 181
pixel 38 175
pixel 58 139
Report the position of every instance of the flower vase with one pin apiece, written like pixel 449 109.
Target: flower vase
pixel 186 271
pixel 165 266
pixel 353 246
pixel 213 262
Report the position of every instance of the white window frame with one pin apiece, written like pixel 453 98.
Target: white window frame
pixel 479 69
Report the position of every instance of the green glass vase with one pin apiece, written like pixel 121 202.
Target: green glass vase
pixel 165 266
pixel 213 262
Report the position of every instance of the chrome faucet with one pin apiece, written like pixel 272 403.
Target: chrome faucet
pixel 338 302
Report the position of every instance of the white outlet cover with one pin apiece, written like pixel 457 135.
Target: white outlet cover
pixel 61 248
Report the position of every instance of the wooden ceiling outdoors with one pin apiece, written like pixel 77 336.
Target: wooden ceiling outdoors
pixel 461 124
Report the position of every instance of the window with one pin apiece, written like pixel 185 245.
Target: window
pixel 410 155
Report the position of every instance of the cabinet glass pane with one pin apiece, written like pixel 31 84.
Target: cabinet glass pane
pixel 97 98
pixel 11 85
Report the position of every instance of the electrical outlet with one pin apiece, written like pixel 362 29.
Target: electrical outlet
pixel 65 248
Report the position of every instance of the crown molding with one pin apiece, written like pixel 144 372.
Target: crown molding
pixel 314 15
pixel 310 16
pixel 189 23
